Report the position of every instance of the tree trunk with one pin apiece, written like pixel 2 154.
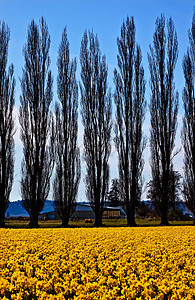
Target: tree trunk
pixel 65 223
pixel 164 217
pixel 131 218
pixel 98 219
pixel 2 219
pixel 164 221
pixel 164 208
pixel 33 222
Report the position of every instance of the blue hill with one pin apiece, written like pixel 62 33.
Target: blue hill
pixel 16 209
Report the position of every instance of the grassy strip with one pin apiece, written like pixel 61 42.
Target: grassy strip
pixel 81 223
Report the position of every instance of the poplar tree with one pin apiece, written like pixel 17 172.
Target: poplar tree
pixel 162 60
pixel 188 130
pixel 96 119
pixel 36 121
pixel 130 112
pixel 7 100
pixel 68 168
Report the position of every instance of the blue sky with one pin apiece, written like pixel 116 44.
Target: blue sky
pixel 105 17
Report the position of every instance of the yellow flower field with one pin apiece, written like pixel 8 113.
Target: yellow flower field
pixel 92 263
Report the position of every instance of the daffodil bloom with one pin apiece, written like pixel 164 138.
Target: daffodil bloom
pixel 97 263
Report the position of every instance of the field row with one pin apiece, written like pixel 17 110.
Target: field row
pixel 92 263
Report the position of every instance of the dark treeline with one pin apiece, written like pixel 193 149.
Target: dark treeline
pixel 50 138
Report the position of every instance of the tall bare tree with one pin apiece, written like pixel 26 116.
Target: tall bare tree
pixel 188 131
pixel 7 88
pixel 163 108
pixel 130 112
pixel 36 121
pixel 68 168
pixel 96 118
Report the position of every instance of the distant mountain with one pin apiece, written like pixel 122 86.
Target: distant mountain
pixel 16 209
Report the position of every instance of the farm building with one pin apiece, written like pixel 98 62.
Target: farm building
pixel 83 211
pixel 112 212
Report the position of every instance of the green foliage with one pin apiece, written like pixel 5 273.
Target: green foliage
pixel 176 215
pixel 113 196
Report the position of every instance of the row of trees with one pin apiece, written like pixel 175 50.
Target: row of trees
pixel 51 139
